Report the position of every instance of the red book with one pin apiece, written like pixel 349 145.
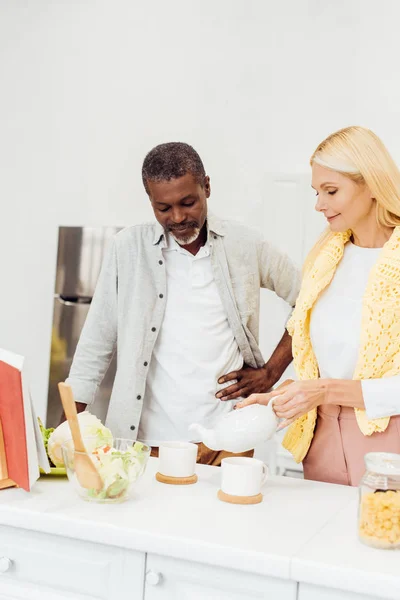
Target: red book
pixel 21 435
pixel 13 424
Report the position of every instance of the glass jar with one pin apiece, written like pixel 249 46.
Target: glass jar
pixel 379 507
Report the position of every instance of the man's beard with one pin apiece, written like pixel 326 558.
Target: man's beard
pixel 187 239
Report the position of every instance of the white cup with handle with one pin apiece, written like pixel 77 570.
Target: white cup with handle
pixel 177 459
pixel 242 476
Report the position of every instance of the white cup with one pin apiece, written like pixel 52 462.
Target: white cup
pixel 177 459
pixel 242 476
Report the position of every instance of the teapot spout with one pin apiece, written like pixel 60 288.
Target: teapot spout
pixel 207 436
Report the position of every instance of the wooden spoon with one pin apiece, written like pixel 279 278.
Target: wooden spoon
pixel 85 470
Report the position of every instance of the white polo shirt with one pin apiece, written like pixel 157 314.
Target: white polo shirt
pixel 195 346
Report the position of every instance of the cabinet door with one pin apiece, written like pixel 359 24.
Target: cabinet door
pixel 170 579
pixel 316 592
pixel 38 566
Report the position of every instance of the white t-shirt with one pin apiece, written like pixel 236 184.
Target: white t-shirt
pixel 195 346
pixel 335 330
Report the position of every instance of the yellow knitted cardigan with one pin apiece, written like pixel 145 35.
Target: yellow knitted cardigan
pixel 379 354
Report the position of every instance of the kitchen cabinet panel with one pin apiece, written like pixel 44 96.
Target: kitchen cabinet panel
pixel 36 565
pixel 316 592
pixel 170 579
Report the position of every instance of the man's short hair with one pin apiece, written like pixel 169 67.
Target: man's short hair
pixel 170 161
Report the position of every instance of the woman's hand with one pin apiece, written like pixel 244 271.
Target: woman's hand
pixel 297 399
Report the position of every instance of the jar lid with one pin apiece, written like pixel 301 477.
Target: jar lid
pixel 385 463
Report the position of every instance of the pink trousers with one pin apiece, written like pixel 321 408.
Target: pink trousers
pixel 336 454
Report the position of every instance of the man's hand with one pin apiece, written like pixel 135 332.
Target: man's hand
pixel 249 381
pixel 258 381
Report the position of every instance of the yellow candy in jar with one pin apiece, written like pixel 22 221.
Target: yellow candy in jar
pixel 379 518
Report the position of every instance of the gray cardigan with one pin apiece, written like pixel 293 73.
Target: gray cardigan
pixel 127 309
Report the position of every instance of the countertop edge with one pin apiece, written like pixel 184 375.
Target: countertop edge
pixel 257 563
pixel 348 579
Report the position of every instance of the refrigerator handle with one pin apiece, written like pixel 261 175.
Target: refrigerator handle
pixel 72 300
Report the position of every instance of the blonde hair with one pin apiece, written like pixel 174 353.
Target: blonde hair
pixel 360 154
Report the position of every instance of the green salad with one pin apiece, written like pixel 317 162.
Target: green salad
pixel 117 469
pixel 46 433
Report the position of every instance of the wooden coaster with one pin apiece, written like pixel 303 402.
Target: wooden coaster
pixel 239 499
pixel 176 480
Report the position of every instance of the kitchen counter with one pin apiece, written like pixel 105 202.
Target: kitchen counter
pixel 302 537
pixel 334 557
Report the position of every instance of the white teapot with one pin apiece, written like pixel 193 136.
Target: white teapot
pixel 239 430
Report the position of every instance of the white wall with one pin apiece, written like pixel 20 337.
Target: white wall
pixel 89 86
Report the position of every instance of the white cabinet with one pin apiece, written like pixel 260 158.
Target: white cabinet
pixel 316 592
pixel 172 579
pixel 37 566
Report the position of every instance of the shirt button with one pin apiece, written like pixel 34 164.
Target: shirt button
pixel 138 397
pixel 160 262
pixel 145 363
pixel 161 296
pixel 215 237
pixel 132 428
pixel 153 329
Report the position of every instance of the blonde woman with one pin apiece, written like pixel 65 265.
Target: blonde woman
pixel 346 325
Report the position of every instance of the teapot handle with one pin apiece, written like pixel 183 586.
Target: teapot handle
pixel 280 387
pixel 271 402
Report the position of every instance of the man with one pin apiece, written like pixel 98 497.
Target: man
pixel 178 300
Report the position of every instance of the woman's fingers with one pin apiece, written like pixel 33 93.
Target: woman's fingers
pixel 254 399
pixel 285 423
pixel 285 384
pixel 281 399
pixel 287 413
pixel 291 407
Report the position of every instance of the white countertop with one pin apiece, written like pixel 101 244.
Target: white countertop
pixel 302 530
pixel 335 558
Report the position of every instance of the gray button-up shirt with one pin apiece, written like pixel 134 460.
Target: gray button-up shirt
pixel 127 309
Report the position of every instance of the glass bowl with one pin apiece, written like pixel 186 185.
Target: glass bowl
pixel 119 462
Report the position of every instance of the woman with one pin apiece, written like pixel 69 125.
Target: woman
pixel 346 325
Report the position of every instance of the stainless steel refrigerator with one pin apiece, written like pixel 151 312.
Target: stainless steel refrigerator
pixel 79 258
